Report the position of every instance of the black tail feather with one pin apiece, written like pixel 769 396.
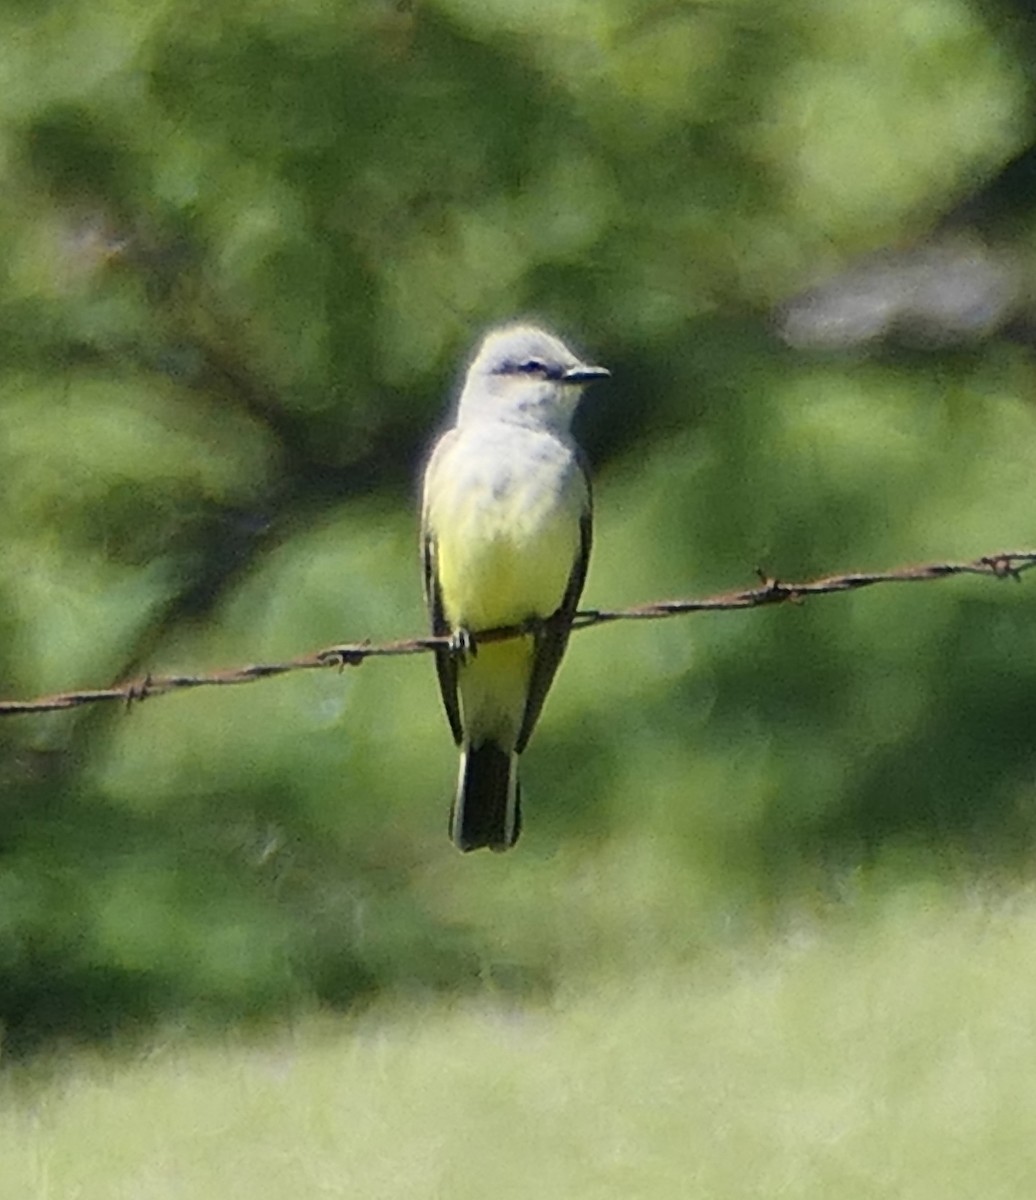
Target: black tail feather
pixel 487 810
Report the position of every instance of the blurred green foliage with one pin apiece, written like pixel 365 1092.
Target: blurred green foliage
pixel 246 251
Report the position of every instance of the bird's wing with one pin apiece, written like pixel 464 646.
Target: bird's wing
pixel 552 638
pixel 445 660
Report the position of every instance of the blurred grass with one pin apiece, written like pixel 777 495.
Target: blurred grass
pixel 881 1046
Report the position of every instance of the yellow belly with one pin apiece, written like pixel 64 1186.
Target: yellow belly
pixel 491 575
pixel 502 580
pixel 506 538
pixel 504 509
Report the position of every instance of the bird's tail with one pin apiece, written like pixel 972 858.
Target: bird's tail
pixel 487 810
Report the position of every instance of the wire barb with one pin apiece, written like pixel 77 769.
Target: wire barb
pixel 1008 564
pixel 138 691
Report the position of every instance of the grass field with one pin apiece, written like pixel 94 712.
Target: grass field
pixel 887 1051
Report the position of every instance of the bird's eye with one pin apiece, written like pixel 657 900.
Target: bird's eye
pixel 535 367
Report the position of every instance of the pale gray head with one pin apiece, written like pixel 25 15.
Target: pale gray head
pixel 525 375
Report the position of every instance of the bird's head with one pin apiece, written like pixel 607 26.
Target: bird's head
pixel 526 375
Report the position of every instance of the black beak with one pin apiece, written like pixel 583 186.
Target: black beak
pixel 584 374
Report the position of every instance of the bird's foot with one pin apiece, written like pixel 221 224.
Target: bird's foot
pixel 462 645
pixel 543 628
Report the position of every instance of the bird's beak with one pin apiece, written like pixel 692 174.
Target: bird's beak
pixel 585 374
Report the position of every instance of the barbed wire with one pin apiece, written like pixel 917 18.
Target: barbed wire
pixel 1009 564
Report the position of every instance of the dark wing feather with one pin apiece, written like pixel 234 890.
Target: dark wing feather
pixel 445 660
pixel 552 638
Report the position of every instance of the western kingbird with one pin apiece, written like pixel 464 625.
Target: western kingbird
pixel 505 534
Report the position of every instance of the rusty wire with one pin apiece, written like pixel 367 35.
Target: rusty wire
pixel 1008 564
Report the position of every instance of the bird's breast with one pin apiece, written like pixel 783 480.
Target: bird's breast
pixel 505 514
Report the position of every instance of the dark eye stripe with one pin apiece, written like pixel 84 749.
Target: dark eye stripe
pixel 530 366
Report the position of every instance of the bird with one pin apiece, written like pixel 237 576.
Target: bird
pixel 506 530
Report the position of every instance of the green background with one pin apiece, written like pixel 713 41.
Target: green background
pixel 246 250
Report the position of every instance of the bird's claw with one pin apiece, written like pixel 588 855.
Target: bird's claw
pixel 462 644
